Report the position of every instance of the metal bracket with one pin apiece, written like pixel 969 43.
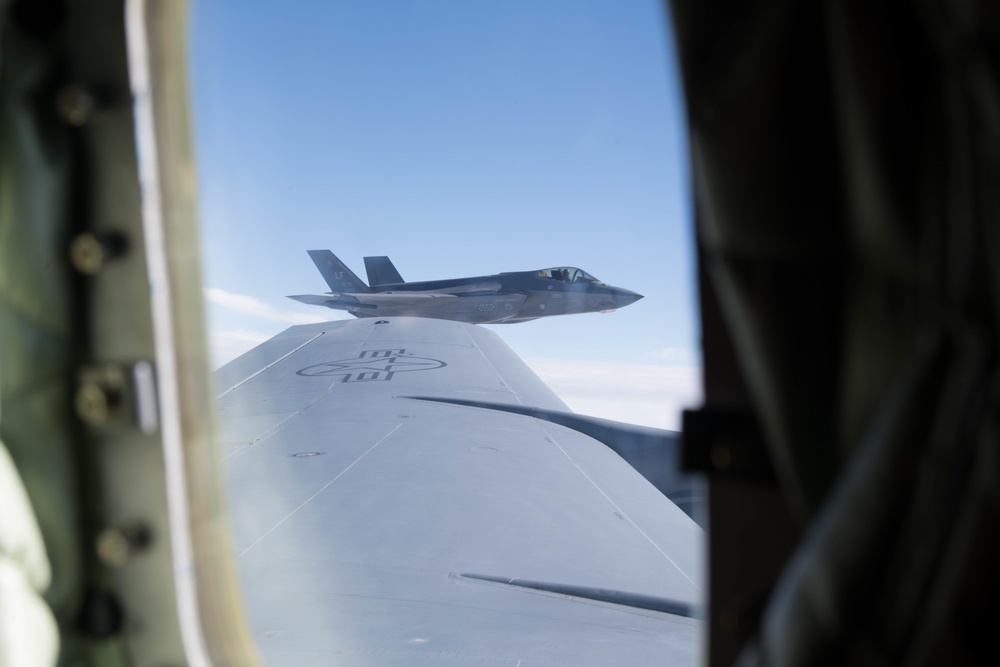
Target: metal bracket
pixel 109 395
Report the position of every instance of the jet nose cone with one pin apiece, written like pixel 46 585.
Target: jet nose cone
pixel 624 297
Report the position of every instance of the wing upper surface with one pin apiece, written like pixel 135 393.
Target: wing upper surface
pixel 357 512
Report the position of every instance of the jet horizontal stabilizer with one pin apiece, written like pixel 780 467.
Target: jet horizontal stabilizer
pixel 338 301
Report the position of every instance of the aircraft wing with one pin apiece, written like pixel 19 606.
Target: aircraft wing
pixel 383 530
pixel 374 299
pixel 371 302
pixel 447 306
pixel 484 287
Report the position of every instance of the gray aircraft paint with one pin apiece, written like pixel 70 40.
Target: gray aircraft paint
pixel 381 530
pixel 517 296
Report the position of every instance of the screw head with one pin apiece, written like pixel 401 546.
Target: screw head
pixel 88 252
pixel 116 544
pixel 112 547
pixel 94 403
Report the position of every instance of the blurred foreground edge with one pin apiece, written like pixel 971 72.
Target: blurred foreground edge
pixel 845 161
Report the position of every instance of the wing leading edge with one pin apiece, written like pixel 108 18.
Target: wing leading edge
pixel 386 529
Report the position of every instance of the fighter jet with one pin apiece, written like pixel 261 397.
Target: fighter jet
pixel 516 296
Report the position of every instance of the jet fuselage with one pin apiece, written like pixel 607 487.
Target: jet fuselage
pixel 516 296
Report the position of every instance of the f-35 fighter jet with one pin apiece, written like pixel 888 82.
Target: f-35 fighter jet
pixel 516 296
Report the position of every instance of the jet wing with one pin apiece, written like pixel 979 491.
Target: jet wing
pixel 487 287
pixel 446 306
pixel 381 530
pixel 351 301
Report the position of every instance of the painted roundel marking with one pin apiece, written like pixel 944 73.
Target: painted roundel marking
pixel 372 366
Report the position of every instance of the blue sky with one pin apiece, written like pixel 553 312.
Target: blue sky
pixel 459 138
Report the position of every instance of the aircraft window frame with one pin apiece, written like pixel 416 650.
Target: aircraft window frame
pixel 564 274
pixel 567 274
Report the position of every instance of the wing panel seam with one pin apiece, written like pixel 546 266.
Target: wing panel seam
pixel 321 490
pixel 281 358
pixel 494 368
pixel 619 509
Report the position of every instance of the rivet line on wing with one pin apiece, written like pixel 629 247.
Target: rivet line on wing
pixel 323 488
pixel 490 364
pixel 284 356
pixel 622 512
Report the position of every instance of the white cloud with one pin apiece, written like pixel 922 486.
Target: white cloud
pixel 675 355
pixel 250 305
pixel 224 346
pixel 647 394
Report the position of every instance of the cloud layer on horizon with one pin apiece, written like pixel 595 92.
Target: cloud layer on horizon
pixel 248 322
pixel 648 394
pixel 254 307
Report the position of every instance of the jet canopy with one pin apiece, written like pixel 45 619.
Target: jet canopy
pixel 567 274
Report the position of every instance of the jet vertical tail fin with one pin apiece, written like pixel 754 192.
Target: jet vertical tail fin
pixel 336 274
pixel 382 272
